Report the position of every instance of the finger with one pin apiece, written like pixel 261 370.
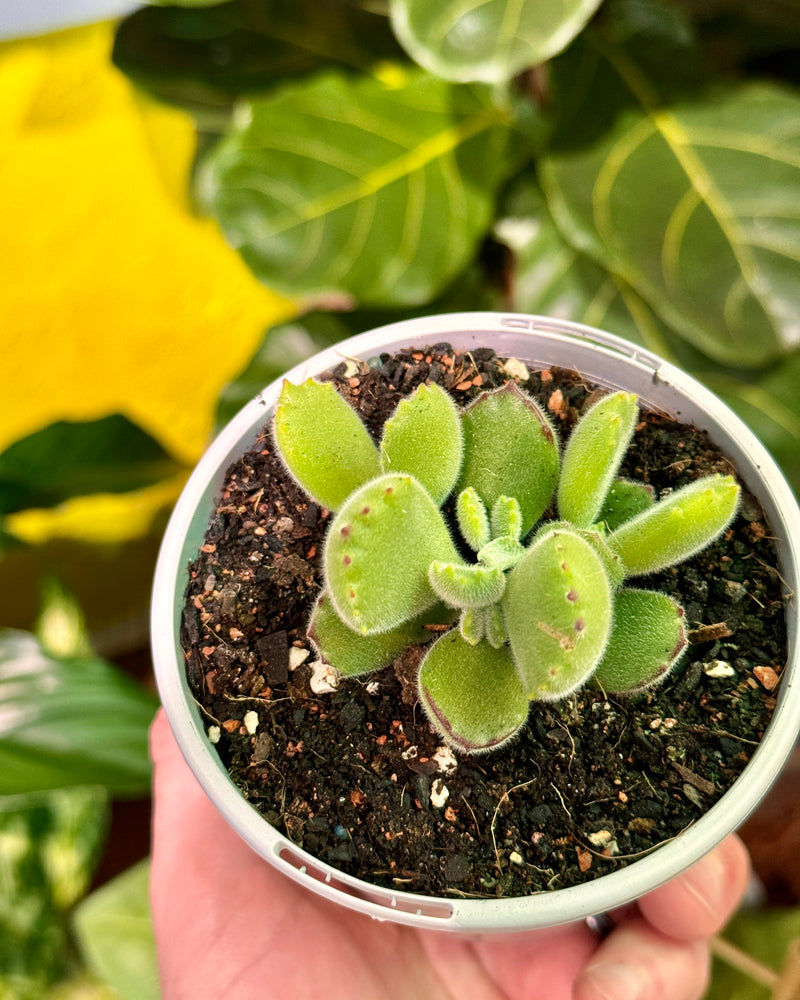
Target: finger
pixel 636 962
pixel 521 963
pixel 698 903
pixel 200 871
pixel 183 818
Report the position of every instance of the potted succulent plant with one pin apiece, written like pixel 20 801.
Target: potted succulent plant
pixel 535 620
pixel 504 567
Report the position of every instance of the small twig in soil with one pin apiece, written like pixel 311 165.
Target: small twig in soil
pixel 646 851
pixel 216 635
pixel 503 797
pixel 621 734
pixel 732 736
pixel 474 818
pixel 253 697
pixel 572 743
pixel 206 712
pixel 561 799
pixel 708 633
pixel 773 569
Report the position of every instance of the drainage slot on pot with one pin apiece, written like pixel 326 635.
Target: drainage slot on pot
pixel 422 908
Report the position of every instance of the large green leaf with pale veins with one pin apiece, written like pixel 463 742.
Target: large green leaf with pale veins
pixel 694 204
pixel 66 722
pixel 492 40
pixel 380 191
pixel 204 57
pixel 549 277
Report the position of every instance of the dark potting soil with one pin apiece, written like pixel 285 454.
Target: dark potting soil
pixel 356 776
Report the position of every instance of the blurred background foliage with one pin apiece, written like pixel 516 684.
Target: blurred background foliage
pixel 198 196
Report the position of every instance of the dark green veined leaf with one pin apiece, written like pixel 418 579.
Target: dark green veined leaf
pixel 778 15
pixel 759 38
pixel 76 458
pixel 660 20
pixel 115 934
pixel 204 56
pixel 67 722
pixel 379 191
pixel 694 204
pixel 552 278
pixel 490 41
pixel 50 846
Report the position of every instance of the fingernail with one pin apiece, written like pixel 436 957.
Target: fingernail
pixel 611 981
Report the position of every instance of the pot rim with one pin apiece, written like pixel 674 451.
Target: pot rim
pixel 659 384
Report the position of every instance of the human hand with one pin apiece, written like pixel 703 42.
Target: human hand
pixel 229 924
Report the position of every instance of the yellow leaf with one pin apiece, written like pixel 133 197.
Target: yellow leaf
pixel 114 297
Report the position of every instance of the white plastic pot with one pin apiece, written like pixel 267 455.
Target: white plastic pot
pixel 604 359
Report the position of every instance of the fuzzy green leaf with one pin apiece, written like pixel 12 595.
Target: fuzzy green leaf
pixel 510 449
pixel 473 521
pixel 467 586
pixel 491 41
pixel 352 653
pixel 625 499
pixel 378 550
pixel 501 553
pixel 593 455
pixel 423 438
pixel 677 527
pixel 471 694
pixel 323 442
pixel 612 563
pixel 558 611
pixel 506 519
pixel 647 640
